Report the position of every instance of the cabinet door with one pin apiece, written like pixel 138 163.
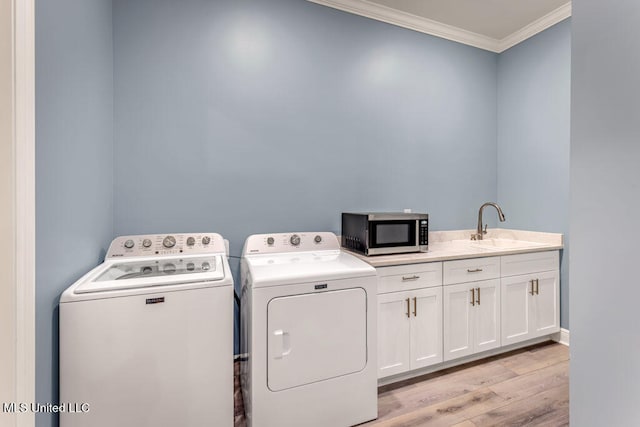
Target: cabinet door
pixel 426 327
pixel 458 313
pixel 394 333
pixel 516 312
pixel 545 304
pixel 487 315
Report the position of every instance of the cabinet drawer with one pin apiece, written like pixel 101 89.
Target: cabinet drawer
pixel 470 270
pixel 512 265
pixel 407 277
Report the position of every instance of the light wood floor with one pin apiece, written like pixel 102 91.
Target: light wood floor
pixel 527 387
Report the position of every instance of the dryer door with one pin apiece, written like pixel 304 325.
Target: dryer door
pixel 315 337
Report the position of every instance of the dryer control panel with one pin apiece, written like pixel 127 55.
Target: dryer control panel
pixel 290 242
pixel 166 244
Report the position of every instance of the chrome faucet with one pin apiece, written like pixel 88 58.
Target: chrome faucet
pixel 480 231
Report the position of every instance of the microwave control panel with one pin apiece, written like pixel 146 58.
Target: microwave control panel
pixel 423 233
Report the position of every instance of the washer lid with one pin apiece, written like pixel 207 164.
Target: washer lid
pixel 303 267
pixel 140 273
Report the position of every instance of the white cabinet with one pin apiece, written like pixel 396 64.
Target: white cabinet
pixel 471 318
pixel 440 311
pixel 530 301
pixel 471 306
pixel 409 321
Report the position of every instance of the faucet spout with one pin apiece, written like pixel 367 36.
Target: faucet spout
pixel 480 232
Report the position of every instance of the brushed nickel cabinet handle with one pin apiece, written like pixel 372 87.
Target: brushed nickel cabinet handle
pixel 473 296
pixel 478 301
pixel 408 308
pixel 537 287
pixel 407 278
pixel 415 306
pixel 475 270
pixel 532 291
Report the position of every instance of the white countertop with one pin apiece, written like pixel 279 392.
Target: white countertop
pixel 456 244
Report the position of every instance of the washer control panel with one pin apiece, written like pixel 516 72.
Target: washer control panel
pixel 290 242
pixel 166 244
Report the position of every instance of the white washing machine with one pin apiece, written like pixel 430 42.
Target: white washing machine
pixel 309 332
pixel 146 338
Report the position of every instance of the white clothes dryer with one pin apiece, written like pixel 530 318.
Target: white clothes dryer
pixel 146 338
pixel 309 332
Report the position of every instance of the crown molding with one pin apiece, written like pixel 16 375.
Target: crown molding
pixel 412 22
pixel 427 26
pixel 537 26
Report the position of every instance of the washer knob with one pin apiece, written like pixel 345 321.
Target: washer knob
pixel 169 268
pixel 206 240
pixel 191 241
pixel 295 240
pixel 129 244
pixel 191 266
pixel 317 239
pixel 206 266
pixel 146 243
pixel 270 241
pixel 169 242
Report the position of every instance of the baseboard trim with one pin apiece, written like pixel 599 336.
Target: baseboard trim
pixel 562 337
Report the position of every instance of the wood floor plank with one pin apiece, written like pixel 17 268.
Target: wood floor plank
pixel 532 383
pixel 537 358
pixel 441 388
pixel 549 408
pixel 465 423
pixel 446 413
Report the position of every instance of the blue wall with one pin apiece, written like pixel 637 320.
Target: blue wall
pixel 252 116
pixel 605 185
pixel 534 108
pixel 74 162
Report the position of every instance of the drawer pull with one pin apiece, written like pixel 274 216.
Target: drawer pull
pixel 415 306
pixel 537 287
pixel 478 301
pixel 408 308
pixel 473 296
pixel 407 278
pixel 532 291
pixel 475 270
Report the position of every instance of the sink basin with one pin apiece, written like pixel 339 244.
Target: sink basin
pixel 502 244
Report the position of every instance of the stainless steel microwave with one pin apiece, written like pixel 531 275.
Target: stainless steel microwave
pixel 385 233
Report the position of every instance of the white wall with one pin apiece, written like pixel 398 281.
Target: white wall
pixel 605 213
pixel 7 207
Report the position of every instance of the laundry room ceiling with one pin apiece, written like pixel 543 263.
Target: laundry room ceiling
pixel 493 25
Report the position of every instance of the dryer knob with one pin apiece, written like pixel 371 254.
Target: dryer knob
pixel 295 240
pixel 270 241
pixel 317 239
pixel 206 240
pixel 129 244
pixel 146 243
pixel 169 242
pixel 191 241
